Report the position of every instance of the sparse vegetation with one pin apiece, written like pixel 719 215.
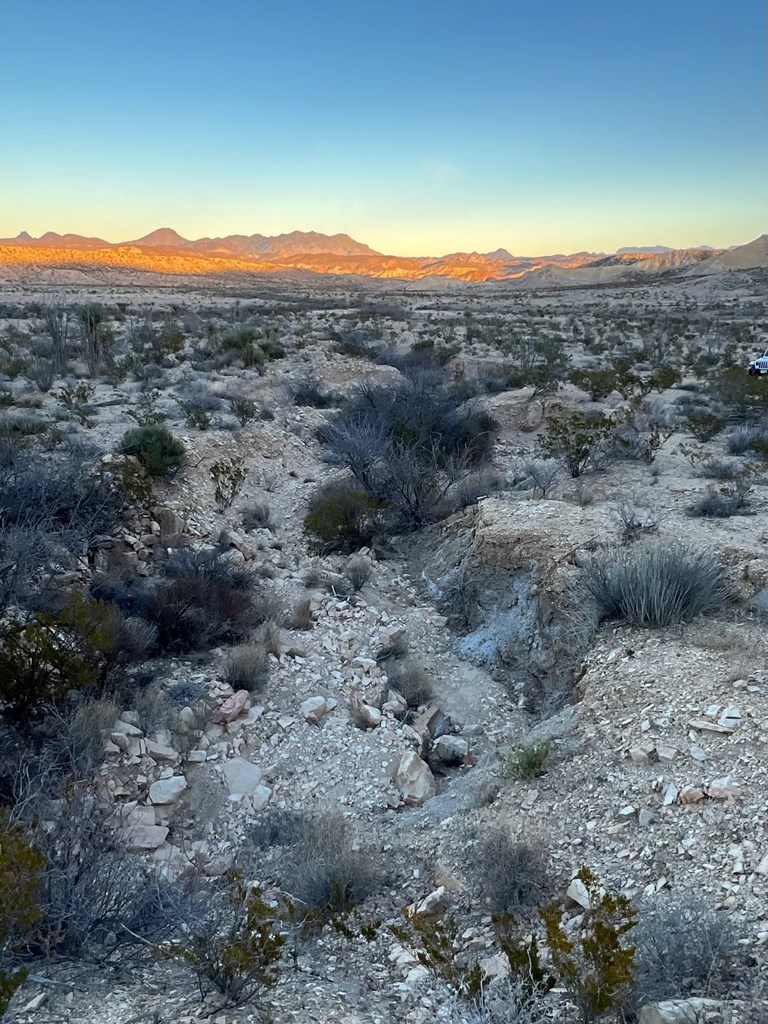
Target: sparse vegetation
pixel 158 451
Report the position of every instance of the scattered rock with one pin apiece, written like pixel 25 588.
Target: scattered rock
pixel 142 838
pixel 414 780
pixel 232 708
pixel 450 750
pixel 682 1011
pixel 167 791
pixel 241 776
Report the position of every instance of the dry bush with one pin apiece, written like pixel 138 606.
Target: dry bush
pixel 301 616
pixel 247 668
pixel 324 872
pixel 513 874
pixel 358 571
pixel 257 516
pixel 411 681
pixel 683 948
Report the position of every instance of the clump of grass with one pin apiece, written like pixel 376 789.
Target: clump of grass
pixel 411 681
pixel 247 668
pixel 656 584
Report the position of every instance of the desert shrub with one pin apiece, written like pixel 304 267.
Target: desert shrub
pixel 247 668
pixel 704 426
pixel 745 398
pixel 49 512
pixel 358 571
pixel 301 616
pixel 21 868
pixel 40 662
pixel 325 874
pixel 597 967
pixel 656 584
pixel 196 415
pixel 96 335
pixel 578 441
pixel 722 502
pixel 159 452
pixel 411 681
pixel 341 517
pixel 538 475
pixel 720 469
pixel 257 516
pixel 237 951
pixel 89 885
pixel 276 827
pixel 307 391
pixel 635 522
pixel 204 601
pixel 243 409
pixel 528 761
pixel 228 476
pixel 76 733
pixel 513 875
pixel 682 948
pixel 741 438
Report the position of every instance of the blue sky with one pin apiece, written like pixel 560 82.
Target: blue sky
pixel 419 127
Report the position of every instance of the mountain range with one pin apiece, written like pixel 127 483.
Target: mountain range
pixel 164 251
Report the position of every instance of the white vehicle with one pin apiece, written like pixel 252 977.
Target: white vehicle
pixel 759 366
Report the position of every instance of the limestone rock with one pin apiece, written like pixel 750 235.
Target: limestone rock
pixel 141 838
pixel 579 894
pixel 414 780
pixel 167 791
pixel 314 709
pixel 681 1011
pixel 241 776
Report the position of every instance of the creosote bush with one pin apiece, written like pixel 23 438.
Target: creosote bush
pixel 579 441
pixel 159 452
pixel 342 517
pixel 238 950
pixel 597 967
pixel 656 584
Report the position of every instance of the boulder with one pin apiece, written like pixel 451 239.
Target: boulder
pixel 167 791
pixel 233 707
pixel 579 894
pixel 414 780
pixel 315 709
pixel 142 838
pixel 450 750
pixel 172 526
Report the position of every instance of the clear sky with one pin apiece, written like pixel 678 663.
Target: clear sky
pixel 418 126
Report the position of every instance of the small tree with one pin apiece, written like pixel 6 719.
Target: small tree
pixel 21 868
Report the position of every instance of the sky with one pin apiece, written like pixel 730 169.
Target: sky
pixel 419 127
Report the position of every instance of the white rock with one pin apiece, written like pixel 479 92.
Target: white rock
pixel 414 780
pixel 314 709
pixel 450 749
pixel 241 776
pixel 167 791
pixel 579 894
pixel 679 1011
pixel 260 797
pixel 140 838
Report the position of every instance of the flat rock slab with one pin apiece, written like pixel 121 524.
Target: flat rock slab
pixel 242 776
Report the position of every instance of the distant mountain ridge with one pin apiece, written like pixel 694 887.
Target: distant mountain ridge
pixel 164 251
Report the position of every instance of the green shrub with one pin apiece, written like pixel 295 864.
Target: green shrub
pixel 704 426
pixel 21 869
pixel 597 968
pixel 196 415
pixel 159 452
pixel 341 517
pixel 528 761
pixel 579 441
pixel 655 584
